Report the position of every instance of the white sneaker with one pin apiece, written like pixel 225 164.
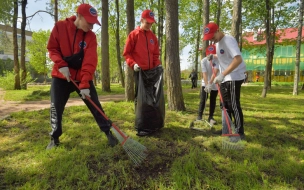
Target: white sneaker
pixel 212 121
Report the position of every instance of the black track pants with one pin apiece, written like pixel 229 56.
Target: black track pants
pixel 60 93
pixel 203 99
pixel 231 92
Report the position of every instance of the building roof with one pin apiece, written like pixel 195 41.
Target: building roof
pixel 282 35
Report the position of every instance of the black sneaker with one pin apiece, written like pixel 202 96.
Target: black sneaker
pixel 199 118
pixel 112 141
pixel 53 144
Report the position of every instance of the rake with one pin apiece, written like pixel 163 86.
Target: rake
pixel 232 139
pixel 136 151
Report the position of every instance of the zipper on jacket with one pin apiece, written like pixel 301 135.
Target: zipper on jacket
pixel 147 48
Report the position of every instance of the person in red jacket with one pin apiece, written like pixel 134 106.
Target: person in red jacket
pixel 141 50
pixel 72 47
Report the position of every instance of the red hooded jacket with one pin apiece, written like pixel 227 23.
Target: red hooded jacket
pixel 142 48
pixel 60 45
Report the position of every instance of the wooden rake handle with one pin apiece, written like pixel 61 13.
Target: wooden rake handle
pixel 101 112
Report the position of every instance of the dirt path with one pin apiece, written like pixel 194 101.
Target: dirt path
pixel 8 107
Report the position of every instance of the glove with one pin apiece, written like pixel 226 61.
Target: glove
pixel 136 67
pixel 84 93
pixel 219 79
pixel 210 57
pixel 208 88
pixel 66 72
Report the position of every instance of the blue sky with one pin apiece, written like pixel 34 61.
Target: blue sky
pixel 45 22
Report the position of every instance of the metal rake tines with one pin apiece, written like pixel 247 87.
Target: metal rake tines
pixel 232 143
pixel 136 151
pixel 119 137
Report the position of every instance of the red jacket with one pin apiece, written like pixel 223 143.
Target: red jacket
pixel 142 48
pixel 60 45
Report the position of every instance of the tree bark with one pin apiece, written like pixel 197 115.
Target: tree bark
pixel 23 44
pixel 198 36
pixel 205 22
pixel 174 92
pixel 129 87
pixel 15 42
pixel 236 19
pixel 117 35
pixel 161 28
pixel 56 10
pixel 298 49
pixel 105 69
pixel 219 9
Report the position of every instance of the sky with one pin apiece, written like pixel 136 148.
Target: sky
pixel 43 21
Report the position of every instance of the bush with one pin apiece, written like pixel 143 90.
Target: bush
pixel 7 81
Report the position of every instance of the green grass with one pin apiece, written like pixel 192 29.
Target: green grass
pixel 42 92
pixel 179 158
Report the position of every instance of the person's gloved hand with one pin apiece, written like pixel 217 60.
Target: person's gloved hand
pixel 136 67
pixel 208 88
pixel 66 72
pixel 84 93
pixel 210 57
pixel 219 78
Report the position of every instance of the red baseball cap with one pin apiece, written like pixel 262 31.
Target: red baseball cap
pixel 210 30
pixel 148 15
pixel 89 13
pixel 210 50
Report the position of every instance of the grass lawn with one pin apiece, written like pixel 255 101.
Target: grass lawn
pixel 179 158
pixel 42 92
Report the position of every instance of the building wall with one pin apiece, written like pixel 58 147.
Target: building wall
pixel 283 65
pixel 7 49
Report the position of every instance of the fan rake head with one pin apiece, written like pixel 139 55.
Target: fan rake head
pixel 136 151
pixel 232 142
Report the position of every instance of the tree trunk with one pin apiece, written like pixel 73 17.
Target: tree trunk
pixel 129 89
pixel 117 35
pixel 298 51
pixel 23 44
pixel 205 22
pixel 219 9
pixel 174 92
pixel 198 36
pixel 161 29
pixel 105 69
pixel 236 19
pixel 268 49
pixel 15 42
pixel 56 10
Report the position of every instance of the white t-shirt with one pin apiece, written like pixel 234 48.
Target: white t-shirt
pixel 226 49
pixel 206 67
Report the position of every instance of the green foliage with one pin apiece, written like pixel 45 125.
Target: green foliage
pixel 37 52
pixel 179 158
pixel 7 81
